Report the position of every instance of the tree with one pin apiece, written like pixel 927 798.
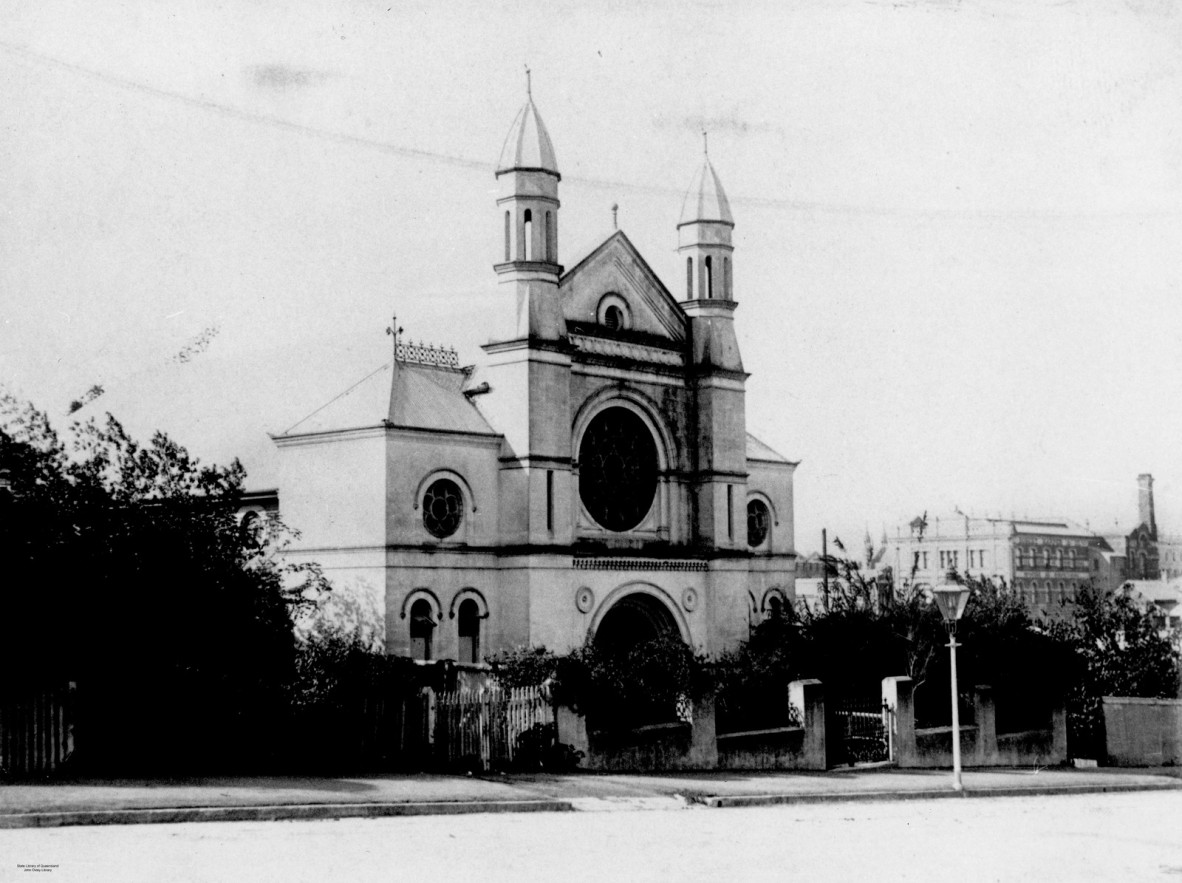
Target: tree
pixel 1122 651
pixel 129 575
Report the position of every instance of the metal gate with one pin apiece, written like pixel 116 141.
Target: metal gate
pixel 857 730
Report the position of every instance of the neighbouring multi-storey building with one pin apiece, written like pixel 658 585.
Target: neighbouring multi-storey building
pixel 1046 560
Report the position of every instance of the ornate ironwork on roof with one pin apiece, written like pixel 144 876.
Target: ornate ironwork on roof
pixel 426 354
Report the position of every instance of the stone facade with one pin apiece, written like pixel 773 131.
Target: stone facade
pixel 1046 560
pixel 592 473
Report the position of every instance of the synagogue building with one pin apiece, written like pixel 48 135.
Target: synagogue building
pixel 592 475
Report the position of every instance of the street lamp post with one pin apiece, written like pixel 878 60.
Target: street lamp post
pixel 951 599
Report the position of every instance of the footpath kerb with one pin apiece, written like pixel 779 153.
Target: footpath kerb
pixel 274 799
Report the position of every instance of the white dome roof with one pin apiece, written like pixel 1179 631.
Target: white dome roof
pixel 706 200
pixel 528 144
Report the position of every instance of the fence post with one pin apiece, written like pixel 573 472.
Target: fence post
pixel 985 715
pixel 572 730
pixel 703 753
pixel 808 697
pixel 898 694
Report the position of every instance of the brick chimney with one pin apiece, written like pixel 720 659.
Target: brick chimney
pixel 1145 502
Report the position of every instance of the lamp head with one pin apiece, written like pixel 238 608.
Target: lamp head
pixel 952 599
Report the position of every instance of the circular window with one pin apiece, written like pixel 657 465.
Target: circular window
pixel 617 469
pixel 758 520
pixel 613 318
pixel 443 508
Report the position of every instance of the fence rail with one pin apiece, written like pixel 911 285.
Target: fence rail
pixel 492 728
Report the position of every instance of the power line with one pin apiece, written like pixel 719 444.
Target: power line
pixel 770 202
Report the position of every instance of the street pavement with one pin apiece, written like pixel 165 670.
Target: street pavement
pixel 1131 836
pixel 262 798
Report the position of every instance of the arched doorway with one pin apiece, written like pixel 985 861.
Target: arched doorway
pixel 639 640
pixel 634 619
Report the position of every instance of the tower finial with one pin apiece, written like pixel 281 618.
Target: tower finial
pixel 615 208
pixel 705 144
pixel 528 84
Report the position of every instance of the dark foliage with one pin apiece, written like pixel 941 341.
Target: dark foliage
pixel 1120 650
pixel 130 576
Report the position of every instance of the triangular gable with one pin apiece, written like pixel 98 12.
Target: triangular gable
pixel 616 266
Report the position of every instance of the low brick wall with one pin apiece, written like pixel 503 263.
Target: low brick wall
pixel 980 743
pixel 1143 732
pixel 697 746
pixel 777 749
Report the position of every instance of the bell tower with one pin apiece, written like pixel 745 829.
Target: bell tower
pixel 528 361
pixel 527 197
pixel 718 378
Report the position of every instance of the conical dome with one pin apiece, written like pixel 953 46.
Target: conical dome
pixel 706 200
pixel 528 143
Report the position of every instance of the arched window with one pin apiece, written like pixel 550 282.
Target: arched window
pixel 443 508
pixel 422 629
pixel 613 318
pixel 252 530
pixel 708 272
pixel 758 521
pixel 527 226
pixel 550 249
pixel 469 629
pixel 508 233
pixel 726 277
pixel 689 278
pixel 1059 558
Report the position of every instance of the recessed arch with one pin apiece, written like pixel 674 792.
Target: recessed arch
pixel 772 596
pixel 641 404
pixel 648 590
pixel 463 595
pixel 422 594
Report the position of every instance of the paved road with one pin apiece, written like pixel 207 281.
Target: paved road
pixel 1109 837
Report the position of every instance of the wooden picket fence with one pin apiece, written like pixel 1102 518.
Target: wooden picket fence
pixel 36 731
pixel 492 728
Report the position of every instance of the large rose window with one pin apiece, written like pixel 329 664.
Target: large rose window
pixel 617 469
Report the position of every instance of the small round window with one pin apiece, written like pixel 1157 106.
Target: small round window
pixel 758 520
pixel 443 508
pixel 613 318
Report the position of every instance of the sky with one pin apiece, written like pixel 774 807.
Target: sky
pixel 957 232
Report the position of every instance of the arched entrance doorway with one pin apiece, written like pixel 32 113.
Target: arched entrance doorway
pixel 641 642
pixel 634 619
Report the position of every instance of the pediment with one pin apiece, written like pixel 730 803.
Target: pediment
pixel 616 267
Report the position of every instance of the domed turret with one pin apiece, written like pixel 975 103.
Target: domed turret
pixel 704 236
pixel 528 146
pixel 706 200
pixel 527 198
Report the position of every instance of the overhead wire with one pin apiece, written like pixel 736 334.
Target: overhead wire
pixel 772 202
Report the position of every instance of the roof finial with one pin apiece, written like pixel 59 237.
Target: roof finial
pixel 705 144
pixel 528 85
pixel 394 331
pixel 615 208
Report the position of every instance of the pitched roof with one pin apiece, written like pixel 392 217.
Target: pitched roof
pixel 649 288
pixel 400 394
pixel 757 450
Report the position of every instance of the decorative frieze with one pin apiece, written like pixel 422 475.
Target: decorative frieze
pixel 623 349
pixel 649 564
